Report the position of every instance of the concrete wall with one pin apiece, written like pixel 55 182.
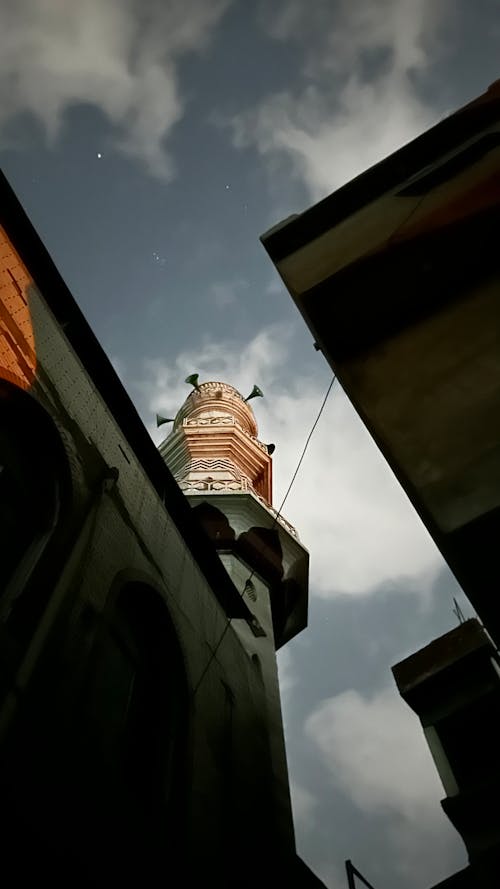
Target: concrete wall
pixel 263 658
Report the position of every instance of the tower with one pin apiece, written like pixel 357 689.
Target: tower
pixel 225 471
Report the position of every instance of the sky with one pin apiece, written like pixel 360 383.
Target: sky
pixel 151 143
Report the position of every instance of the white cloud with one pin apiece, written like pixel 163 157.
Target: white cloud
pixel 286 673
pixel 339 35
pixel 359 101
pixel 228 361
pixel 303 804
pixel 376 754
pixel 330 875
pixel 328 148
pixel 375 751
pixel 227 293
pixel 349 510
pixel 117 55
pixel 275 286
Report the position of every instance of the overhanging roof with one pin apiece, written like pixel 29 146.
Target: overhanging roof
pixel 397 276
pixel 299 230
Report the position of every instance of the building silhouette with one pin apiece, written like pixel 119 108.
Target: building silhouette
pixel 397 276
pixel 453 685
pixel 141 741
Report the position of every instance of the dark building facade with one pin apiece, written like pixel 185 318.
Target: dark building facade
pixel 453 685
pixel 398 278
pixel 139 739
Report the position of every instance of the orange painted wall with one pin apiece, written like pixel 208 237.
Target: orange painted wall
pixel 17 340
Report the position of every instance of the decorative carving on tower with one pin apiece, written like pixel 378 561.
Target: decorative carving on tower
pixel 214 446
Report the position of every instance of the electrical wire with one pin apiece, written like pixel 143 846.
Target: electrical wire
pixel 308 439
pixel 276 519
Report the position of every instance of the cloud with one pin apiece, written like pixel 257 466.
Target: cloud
pixel 346 504
pixel 274 286
pixel 328 148
pixel 374 751
pixel 227 293
pixel 345 34
pixel 163 385
pixel 303 804
pixel 286 673
pixel 119 56
pixel 359 99
pixel 330 875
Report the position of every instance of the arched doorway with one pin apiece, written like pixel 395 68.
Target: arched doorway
pixel 134 720
pixel 35 493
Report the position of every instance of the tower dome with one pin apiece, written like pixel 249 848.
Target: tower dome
pixel 214 445
pixel 212 401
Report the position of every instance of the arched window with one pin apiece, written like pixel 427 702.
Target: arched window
pixel 34 482
pixel 136 720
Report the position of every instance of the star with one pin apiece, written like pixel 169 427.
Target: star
pixel 228 187
pixel 99 155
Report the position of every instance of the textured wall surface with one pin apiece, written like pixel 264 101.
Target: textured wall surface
pixel 112 531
